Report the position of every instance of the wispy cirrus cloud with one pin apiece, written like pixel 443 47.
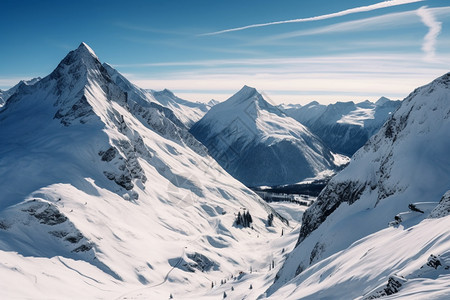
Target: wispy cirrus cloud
pixel 434 28
pixel 328 78
pixel 371 23
pixel 372 7
pixel 386 21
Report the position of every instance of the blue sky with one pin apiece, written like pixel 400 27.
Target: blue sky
pixel 334 51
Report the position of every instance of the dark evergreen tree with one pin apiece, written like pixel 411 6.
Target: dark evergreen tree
pixel 270 219
pixel 238 219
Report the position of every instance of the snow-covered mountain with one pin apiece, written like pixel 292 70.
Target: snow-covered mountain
pixel 187 111
pixel 344 126
pixel 346 249
pixel 259 145
pixel 4 95
pixel 104 195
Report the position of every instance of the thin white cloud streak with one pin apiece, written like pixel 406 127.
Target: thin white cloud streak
pixel 387 21
pixel 434 28
pixel 381 22
pixel 343 61
pixel 376 6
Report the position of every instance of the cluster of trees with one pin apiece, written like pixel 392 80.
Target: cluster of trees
pixel 244 219
pixel 270 219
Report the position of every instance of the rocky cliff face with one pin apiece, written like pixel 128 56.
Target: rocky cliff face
pixel 405 162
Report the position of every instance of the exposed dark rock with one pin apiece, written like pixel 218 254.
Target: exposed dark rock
pixel 49 216
pixel 59 233
pixel 434 262
pixel 74 239
pixel 443 208
pixel 83 248
pixel 316 252
pixel 79 111
pixel 201 263
pixel 328 201
pixel 393 286
pixel 109 154
pixel 3 225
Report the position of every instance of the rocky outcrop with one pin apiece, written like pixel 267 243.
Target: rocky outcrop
pixel 328 201
pixel 443 208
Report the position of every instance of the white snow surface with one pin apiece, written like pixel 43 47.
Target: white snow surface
pixel 365 266
pixel 406 162
pixel 104 198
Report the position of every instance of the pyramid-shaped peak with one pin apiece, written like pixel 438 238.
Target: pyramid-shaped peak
pixel 167 92
pixel 83 55
pixel 244 94
pixel 80 61
pixel 85 49
pixel 382 101
pixel 247 90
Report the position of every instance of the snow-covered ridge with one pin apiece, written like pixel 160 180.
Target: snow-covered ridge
pixel 103 195
pixel 258 144
pixel 407 161
pixel 343 126
pixel 188 112
pixel 4 95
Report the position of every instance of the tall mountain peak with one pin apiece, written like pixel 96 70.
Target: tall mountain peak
pixel 246 92
pixel 246 130
pixel 81 58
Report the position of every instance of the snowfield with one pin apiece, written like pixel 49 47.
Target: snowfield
pixel 105 195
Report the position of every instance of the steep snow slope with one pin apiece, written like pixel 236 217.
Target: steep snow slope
pixel 161 118
pixel 394 263
pixel 344 126
pixel 406 162
pixel 258 144
pixel 101 196
pixel 4 95
pixel 188 112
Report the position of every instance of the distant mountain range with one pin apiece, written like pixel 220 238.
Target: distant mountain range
pixel 4 95
pixel 260 145
pixel 187 111
pixel 343 126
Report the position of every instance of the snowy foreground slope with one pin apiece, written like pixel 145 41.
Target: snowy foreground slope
pixel 104 195
pixel 346 248
pixel 259 145
pixel 343 126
